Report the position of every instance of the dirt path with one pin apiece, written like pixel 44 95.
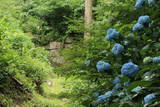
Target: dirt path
pixel 55 94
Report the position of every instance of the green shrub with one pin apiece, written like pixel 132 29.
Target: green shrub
pixel 22 64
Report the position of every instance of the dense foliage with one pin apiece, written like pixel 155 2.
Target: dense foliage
pixel 135 60
pixel 118 66
pixel 51 20
pixel 23 66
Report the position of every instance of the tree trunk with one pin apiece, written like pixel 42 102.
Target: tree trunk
pixel 88 18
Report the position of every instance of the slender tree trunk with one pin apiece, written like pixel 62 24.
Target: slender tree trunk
pixel 88 18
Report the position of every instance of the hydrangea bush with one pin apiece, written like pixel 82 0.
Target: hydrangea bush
pixel 129 70
pixel 135 70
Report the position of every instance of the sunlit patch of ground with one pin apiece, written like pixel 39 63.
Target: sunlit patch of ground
pixel 55 94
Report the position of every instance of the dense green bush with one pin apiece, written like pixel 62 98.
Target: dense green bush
pixel 23 66
pixel 81 60
pixel 51 20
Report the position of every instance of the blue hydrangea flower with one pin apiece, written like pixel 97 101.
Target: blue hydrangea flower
pixel 137 89
pixel 116 80
pixel 148 98
pixel 108 94
pixel 139 4
pixel 129 69
pixel 114 90
pixel 103 97
pixel 100 100
pixel 137 27
pixel 126 83
pixel 144 19
pixel 151 2
pixel 117 86
pixel 117 49
pixel 112 34
pixel 156 59
pixel 103 66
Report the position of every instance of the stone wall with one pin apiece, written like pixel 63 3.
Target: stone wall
pixel 55 48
